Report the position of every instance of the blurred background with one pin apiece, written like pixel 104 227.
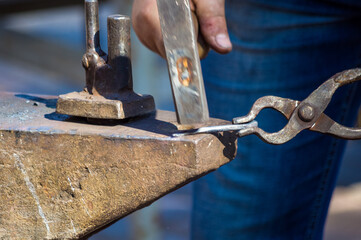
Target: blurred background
pixel 41 46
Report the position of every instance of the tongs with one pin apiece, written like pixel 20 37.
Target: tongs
pixel 306 114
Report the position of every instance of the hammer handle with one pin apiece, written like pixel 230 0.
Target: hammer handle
pixel 203 47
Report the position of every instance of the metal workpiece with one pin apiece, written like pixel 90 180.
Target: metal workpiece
pixel 180 42
pixel 217 129
pixel 108 92
pixel 63 178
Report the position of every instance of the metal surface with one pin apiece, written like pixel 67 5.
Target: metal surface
pixel 109 86
pixel 216 129
pixel 180 42
pixel 307 114
pixel 63 178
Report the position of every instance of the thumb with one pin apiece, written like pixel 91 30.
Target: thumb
pixel 212 21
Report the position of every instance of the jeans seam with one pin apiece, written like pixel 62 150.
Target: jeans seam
pixel 324 183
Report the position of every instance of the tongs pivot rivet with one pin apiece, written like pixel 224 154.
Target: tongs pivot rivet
pixel 306 113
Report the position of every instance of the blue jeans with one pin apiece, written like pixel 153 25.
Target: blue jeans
pixel 285 48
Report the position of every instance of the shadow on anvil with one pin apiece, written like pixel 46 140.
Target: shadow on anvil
pixel 146 122
pixel 50 103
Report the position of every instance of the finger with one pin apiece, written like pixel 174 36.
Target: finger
pixel 147 26
pixel 211 16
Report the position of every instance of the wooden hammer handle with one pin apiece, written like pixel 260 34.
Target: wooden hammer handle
pixel 203 47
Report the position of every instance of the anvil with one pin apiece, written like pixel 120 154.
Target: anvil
pixel 63 178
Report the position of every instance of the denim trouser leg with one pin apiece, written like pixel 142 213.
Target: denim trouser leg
pixel 286 49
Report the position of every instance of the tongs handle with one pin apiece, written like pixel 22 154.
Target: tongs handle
pixel 326 125
pixel 348 76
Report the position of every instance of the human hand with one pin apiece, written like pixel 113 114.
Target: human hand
pixel 211 18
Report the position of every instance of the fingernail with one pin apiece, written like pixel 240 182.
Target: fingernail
pixel 223 41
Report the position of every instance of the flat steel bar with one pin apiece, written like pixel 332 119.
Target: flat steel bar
pixel 185 73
